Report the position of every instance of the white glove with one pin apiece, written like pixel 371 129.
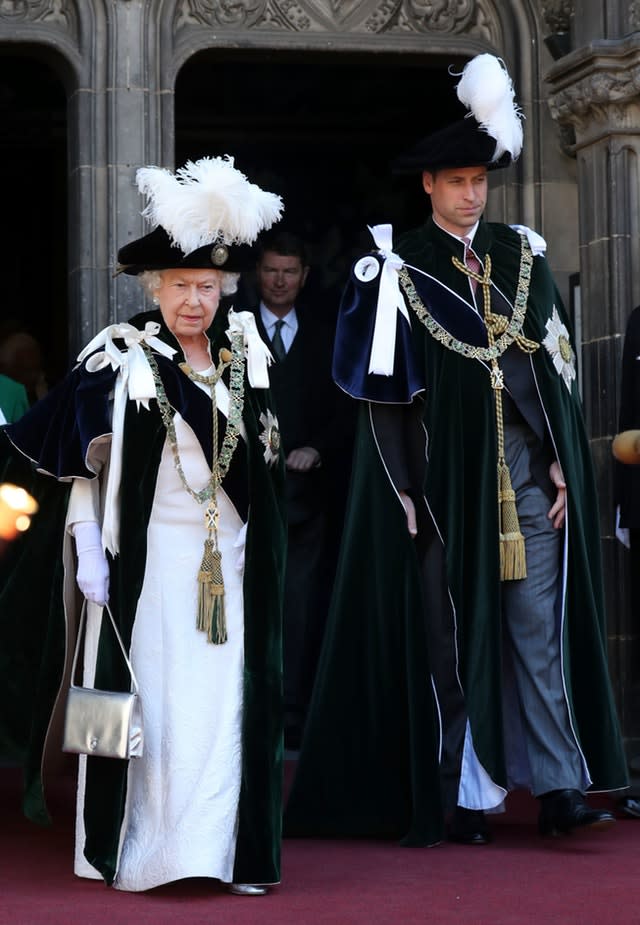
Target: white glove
pixel 93 569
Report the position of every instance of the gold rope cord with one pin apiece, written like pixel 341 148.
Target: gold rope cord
pixel 211 617
pixel 501 333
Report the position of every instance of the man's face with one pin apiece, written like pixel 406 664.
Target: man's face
pixel 280 279
pixel 458 196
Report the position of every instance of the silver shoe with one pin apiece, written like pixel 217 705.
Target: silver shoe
pixel 247 889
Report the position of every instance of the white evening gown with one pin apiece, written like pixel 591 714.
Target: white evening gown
pixel 182 799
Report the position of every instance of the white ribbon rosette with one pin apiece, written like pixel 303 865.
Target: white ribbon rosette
pixel 390 302
pixel 258 354
pixel 134 381
pixel 537 243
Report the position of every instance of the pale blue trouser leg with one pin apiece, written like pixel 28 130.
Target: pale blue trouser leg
pixel 530 623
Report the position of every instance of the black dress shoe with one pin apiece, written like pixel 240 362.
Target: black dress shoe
pixel 629 807
pixel 564 810
pixel 469 827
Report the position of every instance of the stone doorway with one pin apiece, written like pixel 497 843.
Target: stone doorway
pixel 319 129
pixel 33 230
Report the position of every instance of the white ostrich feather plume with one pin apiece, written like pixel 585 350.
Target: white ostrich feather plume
pixel 487 90
pixel 205 201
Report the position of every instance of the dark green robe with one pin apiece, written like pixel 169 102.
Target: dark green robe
pixel 258 841
pixel 371 722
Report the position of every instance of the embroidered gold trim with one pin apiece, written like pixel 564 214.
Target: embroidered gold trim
pixel 514 326
pixel 501 333
pixel 211 618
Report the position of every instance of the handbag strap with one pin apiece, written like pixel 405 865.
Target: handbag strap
pixel 81 627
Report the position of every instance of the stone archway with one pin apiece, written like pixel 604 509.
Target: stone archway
pixel 66 34
pixel 33 233
pixel 119 61
pixel 123 58
pixel 541 190
pixel 449 29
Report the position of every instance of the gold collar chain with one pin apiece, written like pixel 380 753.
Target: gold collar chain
pixel 211 610
pixel 501 333
pixel 508 330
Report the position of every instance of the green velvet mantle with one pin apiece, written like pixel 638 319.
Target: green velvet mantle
pixel 258 843
pixel 459 478
pixel 32 627
pixel 369 757
pixel 368 764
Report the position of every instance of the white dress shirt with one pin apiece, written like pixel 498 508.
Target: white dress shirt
pixel 288 330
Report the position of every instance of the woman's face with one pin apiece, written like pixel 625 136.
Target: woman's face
pixel 188 300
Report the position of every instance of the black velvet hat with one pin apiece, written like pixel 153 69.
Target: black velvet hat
pixel 461 144
pixel 490 135
pixel 205 216
pixel 155 251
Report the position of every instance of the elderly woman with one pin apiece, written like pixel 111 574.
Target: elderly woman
pixel 165 433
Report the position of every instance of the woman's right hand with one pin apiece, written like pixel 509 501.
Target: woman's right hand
pixel 93 569
pixel 410 511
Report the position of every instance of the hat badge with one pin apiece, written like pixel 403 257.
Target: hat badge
pixel 219 255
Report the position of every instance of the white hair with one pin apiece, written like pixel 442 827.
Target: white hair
pixel 151 280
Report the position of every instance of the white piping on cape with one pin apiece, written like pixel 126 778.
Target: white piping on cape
pixel 563 603
pixel 475 786
pixel 476 789
pixel 134 381
pixel 565 559
pixel 391 300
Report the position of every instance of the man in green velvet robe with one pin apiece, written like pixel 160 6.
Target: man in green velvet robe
pixel 472 545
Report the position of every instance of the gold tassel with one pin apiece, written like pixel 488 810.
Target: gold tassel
pixel 211 612
pixel 513 559
pixel 513 562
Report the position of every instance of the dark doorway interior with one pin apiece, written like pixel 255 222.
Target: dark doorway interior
pixel 321 130
pixel 33 227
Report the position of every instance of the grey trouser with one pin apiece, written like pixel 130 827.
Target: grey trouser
pixel 532 641
pixel 532 633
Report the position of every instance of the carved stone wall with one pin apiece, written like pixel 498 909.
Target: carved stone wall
pixel 604 19
pixel 52 13
pixel 352 16
pixel 596 91
pixel 119 60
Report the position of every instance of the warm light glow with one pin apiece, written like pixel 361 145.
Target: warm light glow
pixel 16 508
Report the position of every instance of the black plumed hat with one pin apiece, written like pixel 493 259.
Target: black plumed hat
pixel 489 136
pixel 205 215
pixel 155 251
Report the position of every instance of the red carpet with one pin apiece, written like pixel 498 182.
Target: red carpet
pixel 519 879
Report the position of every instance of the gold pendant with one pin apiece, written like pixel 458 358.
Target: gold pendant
pixel 497 378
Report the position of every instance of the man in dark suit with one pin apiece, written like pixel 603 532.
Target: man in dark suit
pixel 628 477
pixel 305 398
pixel 628 486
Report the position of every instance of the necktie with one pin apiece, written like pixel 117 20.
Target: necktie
pixel 277 344
pixel 471 261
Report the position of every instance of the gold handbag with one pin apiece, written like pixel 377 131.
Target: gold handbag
pixel 104 723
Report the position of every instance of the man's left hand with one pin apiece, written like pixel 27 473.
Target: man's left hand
pixel 303 459
pixel 557 512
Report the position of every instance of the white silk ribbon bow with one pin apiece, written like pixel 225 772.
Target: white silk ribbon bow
pixel 257 353
pixel 537 243
pixel 134 381
pixel 132 363
pixel 390 302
